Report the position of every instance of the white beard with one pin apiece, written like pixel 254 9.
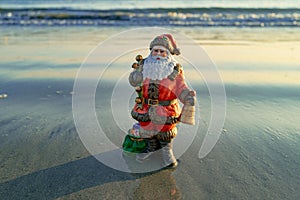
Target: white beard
pixel 158 69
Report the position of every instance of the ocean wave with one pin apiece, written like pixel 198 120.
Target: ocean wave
pixel 234 17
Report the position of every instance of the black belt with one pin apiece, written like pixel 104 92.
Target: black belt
pixel 156 102
pixel 156 119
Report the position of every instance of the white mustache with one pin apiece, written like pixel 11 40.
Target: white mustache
pixel 160 57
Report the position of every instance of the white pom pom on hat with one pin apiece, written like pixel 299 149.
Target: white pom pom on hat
pixel 167 41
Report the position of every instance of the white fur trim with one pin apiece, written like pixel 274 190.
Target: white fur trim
pixel 160 47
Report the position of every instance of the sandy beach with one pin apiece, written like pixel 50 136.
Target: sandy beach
pixel 256 157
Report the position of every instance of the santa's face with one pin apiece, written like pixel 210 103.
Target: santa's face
pixel 159 64
pixel 159 51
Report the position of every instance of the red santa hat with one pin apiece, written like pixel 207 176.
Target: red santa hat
pixel 167 41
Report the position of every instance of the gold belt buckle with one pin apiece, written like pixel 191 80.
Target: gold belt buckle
pixel 152 102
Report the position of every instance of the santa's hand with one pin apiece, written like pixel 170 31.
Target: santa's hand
pixel 190 98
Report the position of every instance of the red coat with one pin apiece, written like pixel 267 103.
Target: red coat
pixel 168 90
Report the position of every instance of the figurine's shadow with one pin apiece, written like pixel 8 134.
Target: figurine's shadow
pixel 65 179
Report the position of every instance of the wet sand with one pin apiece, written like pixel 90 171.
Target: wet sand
pixel 42 157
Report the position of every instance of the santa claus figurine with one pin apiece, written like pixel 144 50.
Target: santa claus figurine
pixel 160 84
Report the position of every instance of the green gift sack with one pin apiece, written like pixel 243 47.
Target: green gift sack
pixel 134 144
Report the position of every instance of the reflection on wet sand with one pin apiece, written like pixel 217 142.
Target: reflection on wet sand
pixel 160 185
